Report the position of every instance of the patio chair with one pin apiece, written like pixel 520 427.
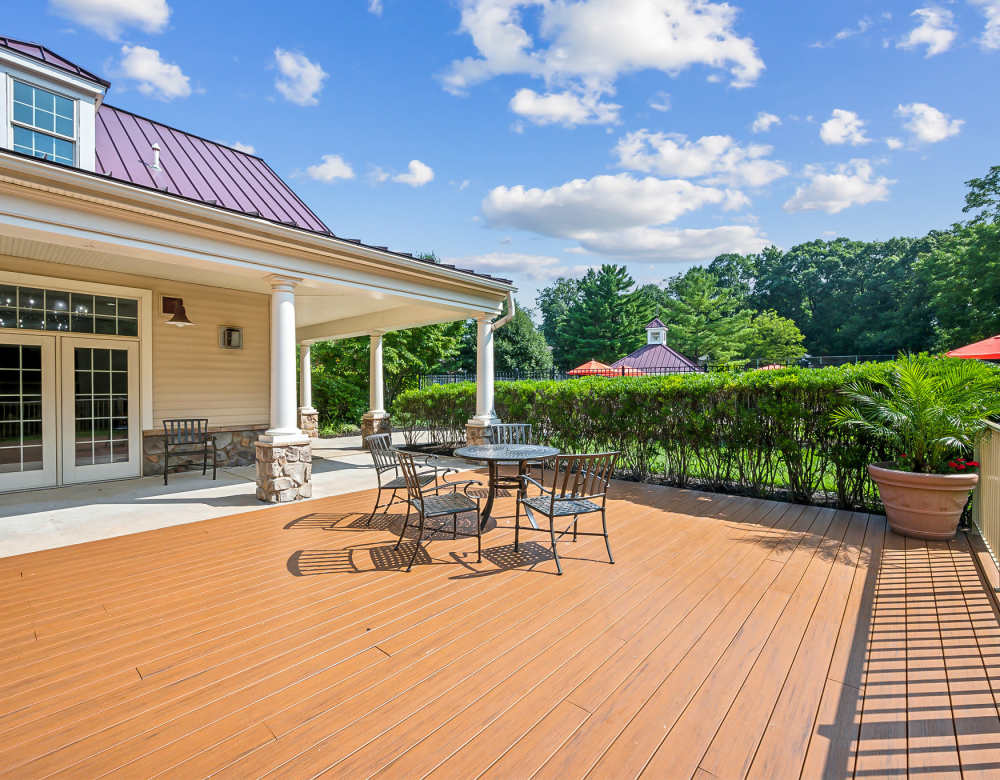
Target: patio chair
pixel 384 457
pixel 579 487
pixel 515 433
pixel 432 506
pixel 188 435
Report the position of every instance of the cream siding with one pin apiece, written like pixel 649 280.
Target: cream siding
pixel 192 375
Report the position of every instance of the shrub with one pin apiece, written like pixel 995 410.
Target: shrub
pixel 761 433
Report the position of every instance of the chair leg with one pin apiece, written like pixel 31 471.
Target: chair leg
pixel 607 542
pixel 166 464
pixel 552 536
pixel 479 539
pixel 215 460
pixel 416 547
pixel 406 523
pixel 574 526
pixel 204 460
pixel 517 526
pixel 378 498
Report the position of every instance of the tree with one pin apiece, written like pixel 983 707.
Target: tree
pixel 519 347
pixel 555 303
pixel 606 323
pixel 705 320
pixel 984 194
pixel 773 338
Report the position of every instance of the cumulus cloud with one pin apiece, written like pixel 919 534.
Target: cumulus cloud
pixel 623 216
pixel 893 144
pixel 152 75
pixel 990 39
pixel 660 101
pixel 375 7
pixel 864 25
pixel 716 156
pixel 843 127
pixel 927 123
pixel 242 147
pixel 417 175
pixel 849 184
pixel 110 17
pixel 537 267
pixel 300 79
pixel 332 167
pixel 567 108
pixel 936 31
pixel 587 45
pixel 764 122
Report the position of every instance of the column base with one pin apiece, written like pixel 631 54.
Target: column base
pixel 309 422
pixel 284 470
pixel 375 422
pixel 475 430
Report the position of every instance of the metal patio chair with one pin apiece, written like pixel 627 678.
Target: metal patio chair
pixel 188 435
pixel 384 457
pixel 515 433
pixel 579 487
pixel 431 506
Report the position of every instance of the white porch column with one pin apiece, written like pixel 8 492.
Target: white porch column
pixel 376 419
pixel 485 413
pixel 308 416
pixel 284 458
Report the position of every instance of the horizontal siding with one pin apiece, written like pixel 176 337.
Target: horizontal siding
pixel 192 375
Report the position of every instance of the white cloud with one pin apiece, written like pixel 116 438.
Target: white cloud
pixel 660 101
pixel 566 108
pixel 623 216
pixel 301 79
pixel 843 127
pixel 110 17
pixel 154 77
pixel 990 39
pixel 717 156
pixel 765 122
pixel 927 123
pixel 850 184
pixel 332 168
pixel 893 144
pixel 936 31
pixel 589 44
pixel 537 267
pixel 375 7
pixel 863 25
pixel 242 147
pixel 417 175
pixel 378 174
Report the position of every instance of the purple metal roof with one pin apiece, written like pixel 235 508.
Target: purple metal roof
pixel 38 52
pixel 656 357
pixel 655 323
pixel 195 168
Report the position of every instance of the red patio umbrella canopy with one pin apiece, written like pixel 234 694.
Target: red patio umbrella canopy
pixel 592 367
pixel 987 349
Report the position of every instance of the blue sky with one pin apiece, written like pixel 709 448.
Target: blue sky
pixel 536 139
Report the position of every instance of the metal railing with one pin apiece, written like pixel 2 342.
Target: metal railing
pixel 986 500
pixel 817 361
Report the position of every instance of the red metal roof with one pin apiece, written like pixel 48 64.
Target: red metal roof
pixel 657 357
pixel 38 52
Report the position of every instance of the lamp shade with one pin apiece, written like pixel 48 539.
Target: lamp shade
pixel 180 318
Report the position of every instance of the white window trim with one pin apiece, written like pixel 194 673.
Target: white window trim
pixel 145 338
pixel 12 123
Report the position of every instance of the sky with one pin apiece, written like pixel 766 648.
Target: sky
pixel 533 139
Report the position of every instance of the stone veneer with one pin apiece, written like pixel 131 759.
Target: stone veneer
pixel 284 471
pixel 372 425
pixel 234 448
pixel 309 422
pixel 475 434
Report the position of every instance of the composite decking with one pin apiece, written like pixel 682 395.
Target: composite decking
pixel 734 637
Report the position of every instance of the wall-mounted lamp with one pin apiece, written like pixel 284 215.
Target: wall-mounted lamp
pixel 175 307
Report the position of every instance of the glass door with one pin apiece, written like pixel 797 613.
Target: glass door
pixel 28 432
pixel 100 402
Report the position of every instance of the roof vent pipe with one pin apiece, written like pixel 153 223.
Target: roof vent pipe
pixel 156 157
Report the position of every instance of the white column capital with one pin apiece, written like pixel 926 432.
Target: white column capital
pixel 281 283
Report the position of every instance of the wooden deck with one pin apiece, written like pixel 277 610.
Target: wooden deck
pixel 733 638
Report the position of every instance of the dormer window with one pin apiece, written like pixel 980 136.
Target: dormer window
pixel 43 124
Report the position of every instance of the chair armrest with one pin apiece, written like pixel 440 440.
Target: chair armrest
pixel 525 479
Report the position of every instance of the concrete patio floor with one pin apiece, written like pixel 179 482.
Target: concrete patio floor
pixel 54 517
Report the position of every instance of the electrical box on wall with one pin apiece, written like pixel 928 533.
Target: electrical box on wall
pixel 230 337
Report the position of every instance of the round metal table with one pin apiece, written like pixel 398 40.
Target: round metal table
pixel 496 454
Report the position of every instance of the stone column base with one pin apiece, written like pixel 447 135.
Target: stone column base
pixel 475 433
pixel 284 471
pixel 370 425
pixel 309 422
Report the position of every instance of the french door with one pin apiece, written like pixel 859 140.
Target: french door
pixel 28 433
pixel 101 437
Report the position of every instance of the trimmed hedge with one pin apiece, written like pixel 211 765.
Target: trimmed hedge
pixel 759 433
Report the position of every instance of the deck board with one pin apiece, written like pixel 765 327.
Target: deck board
pixel 733 637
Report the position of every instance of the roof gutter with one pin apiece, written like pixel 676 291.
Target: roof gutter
pixel 501 321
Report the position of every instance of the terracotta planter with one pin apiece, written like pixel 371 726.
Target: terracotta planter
pixel 925 506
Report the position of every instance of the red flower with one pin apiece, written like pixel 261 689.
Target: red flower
pixel 973 463
pixel 953 464
pixel 961 467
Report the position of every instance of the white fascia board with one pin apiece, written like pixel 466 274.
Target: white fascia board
pixel 387 320
pixel 247 227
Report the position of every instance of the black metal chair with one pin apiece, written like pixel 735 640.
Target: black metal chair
pixel 431 506
pixel 579 487
pixel 513 433
pixel 187 435
pixel 384 458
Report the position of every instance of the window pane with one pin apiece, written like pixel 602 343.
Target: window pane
pixel 128 327
pixel 82 323
pixel 45 120
pixel 56 301
pixel 102 359
pixel 44 100
pixel 23 113
pixel 104 306
pixel 23 140
pixel 119 360
pixel 10 356
pixel 128 308
pixel 23 93
pixel 83 304
pixel 63 151
pixel 64 126
pixel 8 318
pixel 8 295
pixel 64 107
pixel 31 298
pixel 31 320
pixel 56 321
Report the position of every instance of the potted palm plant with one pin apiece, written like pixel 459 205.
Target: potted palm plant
pixel 931 412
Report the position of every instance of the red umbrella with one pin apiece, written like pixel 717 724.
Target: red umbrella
pixel 592 367
pixel 987 349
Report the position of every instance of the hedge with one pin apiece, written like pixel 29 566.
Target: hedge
pixel 759 433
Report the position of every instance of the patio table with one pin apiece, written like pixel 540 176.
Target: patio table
pixel 496 454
